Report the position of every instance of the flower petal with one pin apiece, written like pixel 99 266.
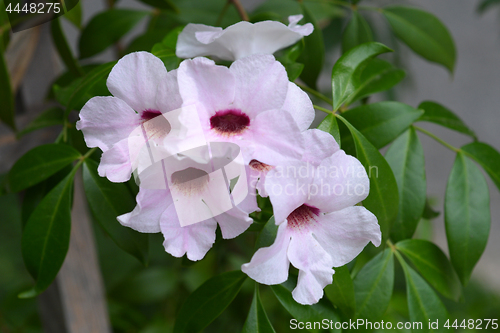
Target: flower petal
pixel 115 163
pixel 106 120
pixel 146 215
pixel 320 145
pixel 233 222
pixel 193 240
pixel 168 97
pixel 298 103
pixel 269 265
pixel 345 233
pixel 135 80
pixel 261 84
pixel 304 30
pixel 315 267
pixel 189 46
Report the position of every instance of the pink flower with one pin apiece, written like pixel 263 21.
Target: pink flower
pixel 319 228
pixel 241 39
pixel 142 90
pixel 251 104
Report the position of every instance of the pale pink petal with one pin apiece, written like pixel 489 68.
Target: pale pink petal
pixel 298 103
pixel 146 215
pixel 106 120
pixel 206 84
pixel 314 264
pixel 135 80
pixel 345 233
pixel 233 222
pixel 261 84
pixel 288 188
pixel 304 30
pixel 319 145
pixel 115 163
pixel 193 240
pixel 269 265
pixel 341 181
pixel 276 138
pixel 168 97
pixel 188 45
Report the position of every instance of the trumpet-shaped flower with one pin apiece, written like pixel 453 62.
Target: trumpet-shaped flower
pixel 241 39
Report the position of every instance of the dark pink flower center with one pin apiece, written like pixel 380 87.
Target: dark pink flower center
pixel 155 126
pixel 190 180
pixel 229 122
pixel 259 166
pixel 302 216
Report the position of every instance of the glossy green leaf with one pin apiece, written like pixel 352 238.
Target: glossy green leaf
pixel 487 156
pixel 208 301
pixel 438 114
pixel 313 55
pixel 257 321
pixel 267 235
pixel 330 125
pixel 429 213
pixel 423 303
pixel 433 264
pixel 341 292
pixel 161 4
pixel 77 93
pixel 46 236
pixel 74 15
pixel 343 73
pixel 106 28
pixel 63 48
pixel 383 200
pixel 467 215
pixel 108 200
pixel 40 163
pixel 380 122
pixel 424 33
pixel 406 158
pixel 305 313
pixel 373 286
pixel 166 49
pixel 376 76
pixel 7 109
pixel 49 117
pixel 357 32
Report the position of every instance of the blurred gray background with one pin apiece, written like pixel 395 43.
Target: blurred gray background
pixel 473 92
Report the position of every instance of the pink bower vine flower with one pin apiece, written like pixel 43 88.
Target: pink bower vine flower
pixel 319 228
pixel 241 39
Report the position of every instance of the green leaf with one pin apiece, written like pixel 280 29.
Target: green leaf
pixel 357 32
pixel 373 286
pixel 106 28
pixel 63 48
pixel 161 4
pixel 380 122
pixel 438 114
pixel 40 163
pixel 76 94
pixel 208 301
pixel 423 303
pixel 108 200
pixel 7 109
pixel 383 199
pixel 330 125
pixel 433 264
pixel 45 240
pixel 305 313
pixel 49 117
pixel 376 76
pixel 487 156
pixel 485 4
pixel 343 73
pixel 429 213
pixel 424 33
pixel 267 235
pixel 166 49
pixel 313 55
pixel 406 158
pixel 257 321
pixel 341 292
pixel 74 15
pixel 467 215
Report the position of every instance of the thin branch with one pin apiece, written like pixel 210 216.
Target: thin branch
pixel 240 9
pixel 315 93
pixel 441 141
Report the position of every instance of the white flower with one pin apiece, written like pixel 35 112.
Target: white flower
pixel 241 39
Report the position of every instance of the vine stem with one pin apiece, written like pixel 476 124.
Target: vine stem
pixel 322 109
pixel 441 141
pixel 241 10
pixel 315 93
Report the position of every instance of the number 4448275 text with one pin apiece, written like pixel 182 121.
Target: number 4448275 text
pixel 38 8
pixel 473 324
